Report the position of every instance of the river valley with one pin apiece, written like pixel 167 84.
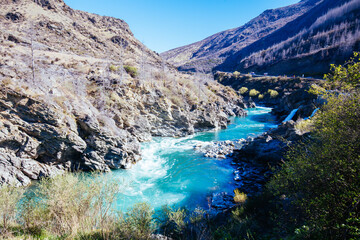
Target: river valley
pixel 172 172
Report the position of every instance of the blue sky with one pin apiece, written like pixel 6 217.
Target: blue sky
pixel 166 24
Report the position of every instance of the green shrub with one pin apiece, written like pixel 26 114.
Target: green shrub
pixel 253 93
pixel 236 74
pixel 273 93
pixel 139 223
pixel 178 218
pixel 243 90
pixel 345 77
pixel 321 177
pixel 132 71
pixel 113 68
pixel 261 96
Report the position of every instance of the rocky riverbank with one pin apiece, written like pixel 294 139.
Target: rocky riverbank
pixel 253 160
pixel 291 92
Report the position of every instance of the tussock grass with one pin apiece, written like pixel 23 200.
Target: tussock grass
pixel 304 126
pixel 239 198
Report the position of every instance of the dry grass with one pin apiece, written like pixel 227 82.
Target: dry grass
pixel 304 126
pixel 239 198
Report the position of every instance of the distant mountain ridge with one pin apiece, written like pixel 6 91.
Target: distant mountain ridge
pixel 287 40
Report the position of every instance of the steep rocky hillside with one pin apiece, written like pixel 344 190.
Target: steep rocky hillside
pixel 79 92
pixel 304 38
pixel 212 51
pixel 326 34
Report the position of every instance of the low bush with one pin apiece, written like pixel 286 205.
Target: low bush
pixel 243 90
pixel 139 222
pixel 253 93
pixel 304 126
pixel 236 74
pixel 273 93
pixel 113 68
pixel 239 198
pixel 261 96
pixel 132 71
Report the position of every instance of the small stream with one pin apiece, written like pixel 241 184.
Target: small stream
pixel 172 172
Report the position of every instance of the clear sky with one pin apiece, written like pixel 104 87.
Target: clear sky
pixel 166 24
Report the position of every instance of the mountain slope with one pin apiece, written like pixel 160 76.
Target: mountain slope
pixel 304 38
pixel 326 34
pixel 212 51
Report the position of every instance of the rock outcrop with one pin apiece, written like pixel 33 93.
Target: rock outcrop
pixel 254 160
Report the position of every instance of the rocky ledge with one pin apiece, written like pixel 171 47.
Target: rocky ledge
pixel 219 149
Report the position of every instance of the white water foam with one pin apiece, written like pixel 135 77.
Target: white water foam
pixel 291 115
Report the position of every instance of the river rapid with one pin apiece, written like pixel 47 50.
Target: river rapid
pixel 173 173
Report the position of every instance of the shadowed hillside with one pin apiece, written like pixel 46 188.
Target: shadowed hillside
pixel 212 51
pixel 303 38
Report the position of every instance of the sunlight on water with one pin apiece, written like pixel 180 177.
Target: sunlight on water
pixel 171 172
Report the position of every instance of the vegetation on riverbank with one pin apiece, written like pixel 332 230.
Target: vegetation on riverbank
pixel 315 193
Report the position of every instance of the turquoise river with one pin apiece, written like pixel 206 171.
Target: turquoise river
pixel 172 172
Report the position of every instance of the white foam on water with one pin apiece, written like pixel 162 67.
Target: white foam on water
pixel 265 108
pixel 291 115
pixel 246 126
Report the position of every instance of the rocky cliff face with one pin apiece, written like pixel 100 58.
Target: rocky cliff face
pixel 214 50
pixel 79 92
